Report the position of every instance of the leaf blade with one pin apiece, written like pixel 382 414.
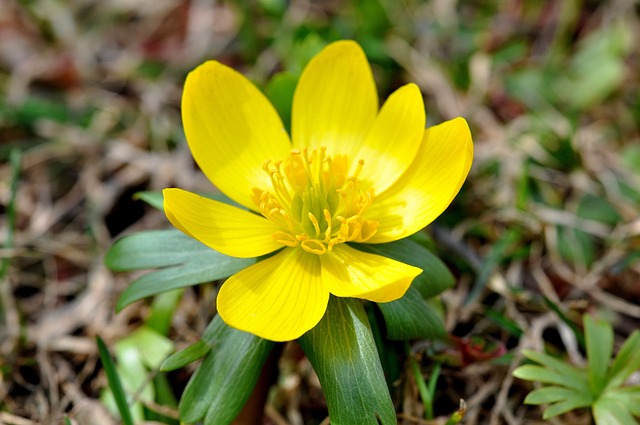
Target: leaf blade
pixel 343 354
pixel 114 382
pixel 411 317
pixel 181 261
pixel 223 382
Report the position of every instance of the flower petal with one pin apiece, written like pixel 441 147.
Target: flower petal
pixel 335 102
pixel 428 186
pixel 232 129
pixel 279 298
pixel 347 272
pixel 394 139
pixel 223 227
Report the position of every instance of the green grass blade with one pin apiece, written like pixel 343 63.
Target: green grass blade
pixel 14 161
pixel 114 382
pixel 423 389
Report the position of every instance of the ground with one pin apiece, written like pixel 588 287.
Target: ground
pixel 547 221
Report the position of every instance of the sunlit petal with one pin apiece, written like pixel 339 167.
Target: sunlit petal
pixel 429 186
pixel 394 139
pixel 225 228
pixel 347 272
pixel 279 298
pixel 232 129
pixel 335 102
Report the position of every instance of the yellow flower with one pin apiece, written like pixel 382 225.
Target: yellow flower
pixel 349 173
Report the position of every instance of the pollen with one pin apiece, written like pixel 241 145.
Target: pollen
pixel 315 201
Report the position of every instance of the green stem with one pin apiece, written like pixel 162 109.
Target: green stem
pixel 14 161
pixel 423 389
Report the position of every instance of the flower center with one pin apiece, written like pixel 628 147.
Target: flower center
pixel 315 202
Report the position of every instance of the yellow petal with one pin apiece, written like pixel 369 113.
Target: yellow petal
pixel 225 228
pixel 429 186
pixel 394 139
pixel 279 298
pixel 347 272
pixel 335 102
pixel 232 129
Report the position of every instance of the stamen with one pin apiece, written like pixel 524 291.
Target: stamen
pixel 314 221
pixel 286 239
pixel 356 173
pixel 314 246
pixel 309 181
pixel 329 231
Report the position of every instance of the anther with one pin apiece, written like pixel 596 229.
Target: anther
pixel 327 217
pixel 314 246
pixel 314 221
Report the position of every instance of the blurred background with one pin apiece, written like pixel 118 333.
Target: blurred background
pixel 547 221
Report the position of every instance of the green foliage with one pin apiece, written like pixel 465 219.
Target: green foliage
pixel 599 386
pixel 412 316
pixel 115 384
pixel 232 359
pixel 10 216
pixel 343 353
pixel 223 382
pixel 138 355
pixel 182 261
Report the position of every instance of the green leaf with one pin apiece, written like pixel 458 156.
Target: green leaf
pixel 599 339
pixel 611 411
pixel 155 199
pixel 546 376
pixel 598 68
pixel 626 362
pixel 342 352
pixel 197 350
pixel 185 262
pixel 504 322
pixel 435 277
pixel 576 246
pixel 629 396
pixel 137 355
pixel 114 382
pixel 221 385
pixel 280 90
pixel 597 208
pixel 498 253
pixel 411 317
pixel 162 310
pixel 565 406
pixel 572 374
pixel 151 347
pixel 550 394
pixel 185 356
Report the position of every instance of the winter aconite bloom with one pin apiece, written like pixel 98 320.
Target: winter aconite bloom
pixel 350 172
